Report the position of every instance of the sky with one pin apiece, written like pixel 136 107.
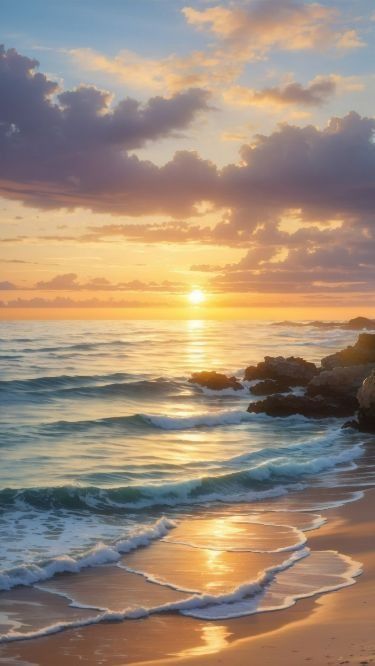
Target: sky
pixel 154 147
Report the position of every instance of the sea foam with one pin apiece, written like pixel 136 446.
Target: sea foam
pixel 101 553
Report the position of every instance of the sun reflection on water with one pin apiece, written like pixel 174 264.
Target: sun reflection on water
pixel 214 637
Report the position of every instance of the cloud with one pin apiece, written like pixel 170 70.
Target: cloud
pixel 73 153
pixel 171 74
pixel 350 40
pixel 310 260
pixel 7 286
pixel 244 31
pixel 73 148
pixel 178 231
pixel 17 261
pixel 65 302
pixel 315 93
pixel 253 28
pixel 71 282
pixel 326 171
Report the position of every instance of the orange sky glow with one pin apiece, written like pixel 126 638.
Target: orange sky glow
pixel 229 149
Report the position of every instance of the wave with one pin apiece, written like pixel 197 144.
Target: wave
pixel 118 499
pixel 88 387
pixel 145 420
pixel 79 346
pixel 240 605
pixel 101 553
pixel 208 419
pixel 270 478
pixel 135 388
pixel 51 383
pixel 246 599
pixel 193 602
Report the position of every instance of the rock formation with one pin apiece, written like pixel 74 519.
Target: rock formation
pixel 270 386
pixel 366 400
pixel 319 407
pixel 356 324
pixel 293 370
pixel 362 352
pixel 215 381
pixel 339 380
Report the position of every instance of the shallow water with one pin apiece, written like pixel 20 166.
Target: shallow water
pixel 111 457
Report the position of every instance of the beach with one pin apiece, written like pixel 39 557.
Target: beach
pixel 146 518
pixel 187 333
pixel 335 628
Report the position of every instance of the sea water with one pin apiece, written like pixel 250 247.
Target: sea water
pixel 110 457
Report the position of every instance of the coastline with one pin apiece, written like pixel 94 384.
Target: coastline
pixel 326 629
pixel 332 628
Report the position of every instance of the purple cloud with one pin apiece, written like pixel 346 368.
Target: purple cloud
pixel 70 148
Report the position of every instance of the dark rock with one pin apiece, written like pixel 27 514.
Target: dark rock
pixel 339 381
pixel 359 323
pixel 318 407
pixel 325 324
pixel 293 370
pixel 270 386
pixel 366 400
pixel 362 352
pixel 215 381
pixel 356 324
pixel 353 424
pixel 287 323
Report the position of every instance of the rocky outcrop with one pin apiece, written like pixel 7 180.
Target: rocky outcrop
pixel 215 381
pixel 366 400
pixel 319 407
pixel 363 352
pixel 270 386
pixel 356 324
pixel 360 323
pixel 293 370
pixel 339 381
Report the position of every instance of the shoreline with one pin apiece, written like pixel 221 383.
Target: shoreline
pixel 329 628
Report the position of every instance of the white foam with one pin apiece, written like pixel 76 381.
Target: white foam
pixel 316 521
pixel 241 607
pixel 218 418
pixel 186 606
pixel 246 599
pixel 277 467
pixel 227 392
pixel 96 556
pixel 210 419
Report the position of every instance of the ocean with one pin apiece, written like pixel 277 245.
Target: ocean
pixel 113 463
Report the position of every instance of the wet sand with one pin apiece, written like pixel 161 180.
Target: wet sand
pixel 335 628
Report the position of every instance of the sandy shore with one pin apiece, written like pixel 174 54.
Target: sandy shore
pixel 336 628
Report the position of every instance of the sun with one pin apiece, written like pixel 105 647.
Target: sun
pixel 196 297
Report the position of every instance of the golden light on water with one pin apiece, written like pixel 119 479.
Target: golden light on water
pixel 196 297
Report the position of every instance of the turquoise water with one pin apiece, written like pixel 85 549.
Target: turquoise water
pixel 102 435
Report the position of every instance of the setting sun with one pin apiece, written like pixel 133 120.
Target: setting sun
pixel 196 297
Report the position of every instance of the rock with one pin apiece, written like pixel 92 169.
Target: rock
pixel 293 370
pixel 286 322
pixel 215 381
pixel 356 324
pixel 359 323
pixel 339 381
pixel 362 352
pixel 366 400
pixel 325 324
pixel 270 386
pixel 319 407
